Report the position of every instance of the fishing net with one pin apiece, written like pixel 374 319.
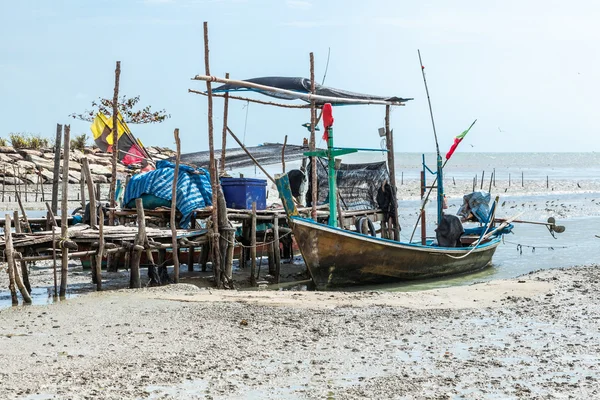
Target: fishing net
pixel 357 184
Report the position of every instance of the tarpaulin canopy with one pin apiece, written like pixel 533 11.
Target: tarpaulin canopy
pixel 302 85
pixel 268 153
pixel 131 151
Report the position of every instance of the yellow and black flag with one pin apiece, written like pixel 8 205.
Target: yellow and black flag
pixel 131 151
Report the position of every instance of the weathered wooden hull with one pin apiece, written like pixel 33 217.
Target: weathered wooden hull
pixel 337 257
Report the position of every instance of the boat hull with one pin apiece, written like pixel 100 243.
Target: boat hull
pixel 336 257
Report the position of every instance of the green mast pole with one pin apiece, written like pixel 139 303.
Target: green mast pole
pixel 332 184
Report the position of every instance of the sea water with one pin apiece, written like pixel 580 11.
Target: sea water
pixel 529 247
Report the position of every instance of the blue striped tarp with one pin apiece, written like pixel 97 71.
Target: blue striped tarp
pixel 193 187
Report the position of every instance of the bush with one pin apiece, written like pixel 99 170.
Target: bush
pixel 3 142
pixel 79 141
pixel 28 141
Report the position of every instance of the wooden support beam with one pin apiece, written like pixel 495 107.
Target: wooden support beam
pixel 55 172
pixel 101 245
pixel 8 253
pixel 85 168
pixel 277 249
pixel 64 210
pixel 174 208
pixel 134 279
pixel 115 140
pixel 253 246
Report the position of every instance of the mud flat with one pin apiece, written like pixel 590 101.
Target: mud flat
pixel 536 336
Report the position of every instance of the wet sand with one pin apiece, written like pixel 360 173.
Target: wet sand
pixel 535 336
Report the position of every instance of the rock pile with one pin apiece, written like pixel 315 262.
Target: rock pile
pixel 20 166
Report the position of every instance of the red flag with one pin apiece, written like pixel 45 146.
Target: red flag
pixel 327 119
pixel 457 140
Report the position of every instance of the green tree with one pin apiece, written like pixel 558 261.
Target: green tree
pixel 126 106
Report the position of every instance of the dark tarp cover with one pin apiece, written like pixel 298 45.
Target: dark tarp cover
pixel 302 85
pixel 269 153
pixel 357 184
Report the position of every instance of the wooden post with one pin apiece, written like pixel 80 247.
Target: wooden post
pixel 224 229
pixel 9 260
pixel 41 184
pixel 216 261
pixel 140 238
pixel 340 211
pixel 283 154
pixel 100 254
pixel 24 269
pixel 509 179
pixel 313 159
pixel 491 181
pixel 423 216
pixel 547 182
pixel 402 181
pixel 24 213
pixel 55 176
pixel 37 184
pixel 3 177
pixel 522 179
pixel 25 181
pixel 253 246
pixel 494 175
pixel 224 137
pixel 115 146
pixel 174 209
pixel 482 178
pixel 98 190
pixel 12 265
pixel 82 189
pixel 54 257
pixel 64 212
pixel 389 141
pixel 277 249
pixel 85 168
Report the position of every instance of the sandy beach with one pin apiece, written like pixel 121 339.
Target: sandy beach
pixel 531 337
pixel 534 336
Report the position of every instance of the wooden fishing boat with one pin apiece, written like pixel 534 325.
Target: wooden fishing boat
pixel 337 257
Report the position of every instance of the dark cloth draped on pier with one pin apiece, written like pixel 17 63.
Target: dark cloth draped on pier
pixel 269 153
pixel 193 188
pixel 302 85
pixel 357 184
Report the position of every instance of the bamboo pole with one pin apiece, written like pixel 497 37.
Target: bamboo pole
pixel 482 178
pixel 140 238
pixel 224 136
pixel 283 154
pixel 115 145
pixel 9 260
pixel 268 103
pixel 3 177
pixel 174 208
pixel 213 166
pixel 313 159
pixel 304 96
pixel 85 167
pixel 54 257
pixel 253 246
pixel 63 213
pixel 24 181
pixel 55 176
pixel 100 254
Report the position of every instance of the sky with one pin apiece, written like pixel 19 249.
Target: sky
pixel 528 71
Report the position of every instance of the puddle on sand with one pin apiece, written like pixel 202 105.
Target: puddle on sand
pixel 39 296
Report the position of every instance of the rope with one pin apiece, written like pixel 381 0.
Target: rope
pixel 489 224
pixel 533 248
pixel 236 243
